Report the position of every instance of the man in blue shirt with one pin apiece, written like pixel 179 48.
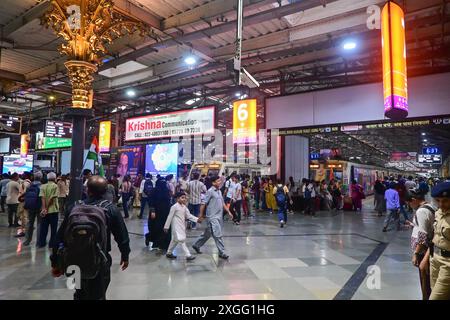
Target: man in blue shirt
pixel 393 206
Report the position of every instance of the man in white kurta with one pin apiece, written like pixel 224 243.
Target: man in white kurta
pixel 178 215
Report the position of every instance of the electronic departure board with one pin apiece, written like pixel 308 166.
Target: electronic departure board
pixel 58 129
pixel 10 124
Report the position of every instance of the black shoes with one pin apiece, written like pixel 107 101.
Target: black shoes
pixel 171 256
pixel 197 249
pixel 384 230
pixel 223 256
pixel 190 258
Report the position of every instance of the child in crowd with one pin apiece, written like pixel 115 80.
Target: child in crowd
pixel 176 220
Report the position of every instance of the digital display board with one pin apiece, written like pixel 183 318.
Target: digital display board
pixel 430 158
pixel 161 159
pixel 15 163
pixel 431 150
pixel 171 124
pixel 10 125
pixel 5 145
pixel 58 129
pixel 44 143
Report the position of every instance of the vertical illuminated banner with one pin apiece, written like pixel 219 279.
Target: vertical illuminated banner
pixel 395 81
pixel 244 121
pixel 24 145
pixel 104 143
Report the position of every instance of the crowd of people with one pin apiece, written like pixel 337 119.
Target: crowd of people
pixel 177 205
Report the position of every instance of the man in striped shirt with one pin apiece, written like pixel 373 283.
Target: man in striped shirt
pixel 195 188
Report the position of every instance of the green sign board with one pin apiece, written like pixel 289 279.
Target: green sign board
pixel 56 143
pixel 44 143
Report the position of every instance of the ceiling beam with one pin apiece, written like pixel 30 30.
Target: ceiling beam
pixel 207 11
pixel 131 9
pixel 276 13
pixel 34 13
pixel 8 75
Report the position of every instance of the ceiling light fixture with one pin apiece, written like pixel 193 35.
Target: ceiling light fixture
pixel 190 60
pixel 349 45
pixel 131 93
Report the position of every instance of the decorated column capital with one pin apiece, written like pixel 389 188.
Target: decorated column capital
pixel 81 75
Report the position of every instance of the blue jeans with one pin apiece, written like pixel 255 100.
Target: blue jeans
pixel 403 211
pixel 282 213
pixel 51 220
pixel 194 210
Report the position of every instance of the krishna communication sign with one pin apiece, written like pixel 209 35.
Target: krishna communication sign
pixel 171 124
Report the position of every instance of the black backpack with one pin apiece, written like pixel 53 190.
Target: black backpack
pixel 32 201
pixel 85 239
pixel 148 188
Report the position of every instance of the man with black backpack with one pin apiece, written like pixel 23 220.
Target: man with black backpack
pixel 84 240
pixel 281 193
pixel 32 203
pixel 146 190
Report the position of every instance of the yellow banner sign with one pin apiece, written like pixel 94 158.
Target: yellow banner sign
pixel 244 121
pixel 394 61
pixel 104 143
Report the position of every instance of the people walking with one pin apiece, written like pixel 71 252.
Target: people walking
pixel 12 200
pixel 380 202
pixel 393 206
pixel 281 193
pixel 213 209
pixel 126 191
pixel 107 220
pixel 176 221
pixel 194 189
pixel 33 205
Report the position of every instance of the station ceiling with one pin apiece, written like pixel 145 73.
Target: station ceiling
pixel 289 46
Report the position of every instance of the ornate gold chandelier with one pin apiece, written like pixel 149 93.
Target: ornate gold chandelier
pixel 87 26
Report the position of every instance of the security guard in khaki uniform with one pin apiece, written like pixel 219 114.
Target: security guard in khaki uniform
pixel 440 259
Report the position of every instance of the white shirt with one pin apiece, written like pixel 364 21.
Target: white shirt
pixel 231 186
pixel 237 195
pixel 423 222
pixel 12 192
pixel 178 215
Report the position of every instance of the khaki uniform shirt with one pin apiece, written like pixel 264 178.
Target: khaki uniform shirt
pixel 441 237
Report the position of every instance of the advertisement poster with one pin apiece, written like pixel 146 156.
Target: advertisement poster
pixel 104 142
pixel 171 124
pixel 394 61
pixel 127 161
pixel 244 121
pixel 14 163
pixel 161 159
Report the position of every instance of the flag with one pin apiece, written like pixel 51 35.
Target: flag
pixel 94 154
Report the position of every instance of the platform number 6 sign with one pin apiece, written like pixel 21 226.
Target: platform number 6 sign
pixel 242 113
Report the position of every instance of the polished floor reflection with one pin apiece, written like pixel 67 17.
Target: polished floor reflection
pixel 322 257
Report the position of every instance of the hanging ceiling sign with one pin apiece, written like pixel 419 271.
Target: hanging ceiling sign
pixel 58 129
pixel 395 81
pixel 430 158
pixel 244 121
pixel 403 156
pixel 10 125
pixel 431 150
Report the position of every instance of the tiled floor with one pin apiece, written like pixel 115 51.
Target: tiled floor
pixel 312 258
